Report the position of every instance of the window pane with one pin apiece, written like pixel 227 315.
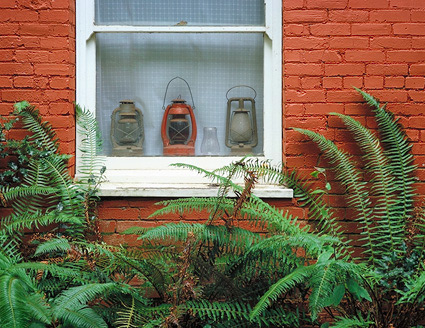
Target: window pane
pixel 190 12
pixel 138 66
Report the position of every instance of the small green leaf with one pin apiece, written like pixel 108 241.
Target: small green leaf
pixel 328 186
pixel 314 174
pixel 20 106
pixel 358 291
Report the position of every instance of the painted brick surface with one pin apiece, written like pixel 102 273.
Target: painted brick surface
pixel 37 61
pixel 329 47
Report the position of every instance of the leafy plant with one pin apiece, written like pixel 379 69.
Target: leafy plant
pixel 54 284
pixel 384 287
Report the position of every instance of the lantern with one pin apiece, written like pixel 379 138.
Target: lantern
pixel 127 130
pixel 241 123
pixel 178 128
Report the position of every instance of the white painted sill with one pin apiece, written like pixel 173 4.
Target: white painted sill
pixel 173 183
pixel 109 189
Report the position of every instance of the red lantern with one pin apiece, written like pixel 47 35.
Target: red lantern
pixel 178 128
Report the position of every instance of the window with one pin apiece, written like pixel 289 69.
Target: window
pixel 132 49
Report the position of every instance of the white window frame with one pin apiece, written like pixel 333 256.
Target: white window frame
pixel 153 176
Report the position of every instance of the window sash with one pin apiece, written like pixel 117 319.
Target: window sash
pixel 272 108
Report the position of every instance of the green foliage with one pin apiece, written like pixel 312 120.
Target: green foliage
pixel 385 287
pixel 53 285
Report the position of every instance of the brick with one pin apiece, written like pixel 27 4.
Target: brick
pixel 356 109
pixel 374 82
pixel 32 56
pixel 8 29
pixel 16 95
pixel 8 42
pixel 60 83
pixel 327 4
pixel 343 96
pixel 35 4
pixel 65 135
pixel 333 82
pixel 311 82
pixel 305 96
pixel 117 239
pixel 62 4
pixel 106 226
pixel 33 29
pixel 406 56
pixel 62 56
pixel 344 69
pixel 417 122
pixel 293 56
pixel 6 56
pixel 323 109
pixel 19 15
pixel 364 55
pixel 305 43
pixel 409 29
pixel 292 82
pixel 417 69
pixel 394 82
pixel 296 29
pixel 409 4
pixel 390 16
pixel 320 56
pixel 415 82
pixel 54 43
pixel 304 16
pixel 397 96
pixel 61 30
pixel 348 16
pixel 8 4
pixel 418 16
pixel 58 95
pixel 391 42
pixel 371 29
pixel 330 29
pixel 5 82
pixel 418 96
pixel 52 69
pixel 55 16
pixel 29 42
pixel 23 82
pixel 304 69
pixel 61 122
pixel 418 43
pixel 293 4
pixel 365 4
pixel 387 69
pixel 349 43
pixel 15 68
pixel 406 109
pixel 61 108
pixel 294 109
pixel 349 82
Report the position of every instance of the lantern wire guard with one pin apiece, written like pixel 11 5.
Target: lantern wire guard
pixel 241 124
pixel 178 134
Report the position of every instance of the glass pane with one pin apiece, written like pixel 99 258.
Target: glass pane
pixel 138 66
pixel 190 12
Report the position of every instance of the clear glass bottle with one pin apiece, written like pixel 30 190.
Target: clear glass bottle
pixel 210 145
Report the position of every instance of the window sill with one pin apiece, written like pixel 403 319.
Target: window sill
pixel 126 189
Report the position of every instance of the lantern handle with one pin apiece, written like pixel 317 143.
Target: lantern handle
pixel 166 90
pixel 242 85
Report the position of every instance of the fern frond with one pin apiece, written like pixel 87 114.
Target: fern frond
pixel 280 287
pixel 354 322
pixel 351 178
pixel 398 151
pixel 219 311
pixel 389 224
pixel 90 146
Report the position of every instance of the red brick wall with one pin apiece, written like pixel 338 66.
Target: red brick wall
pixel 37 61
pixel 329 47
